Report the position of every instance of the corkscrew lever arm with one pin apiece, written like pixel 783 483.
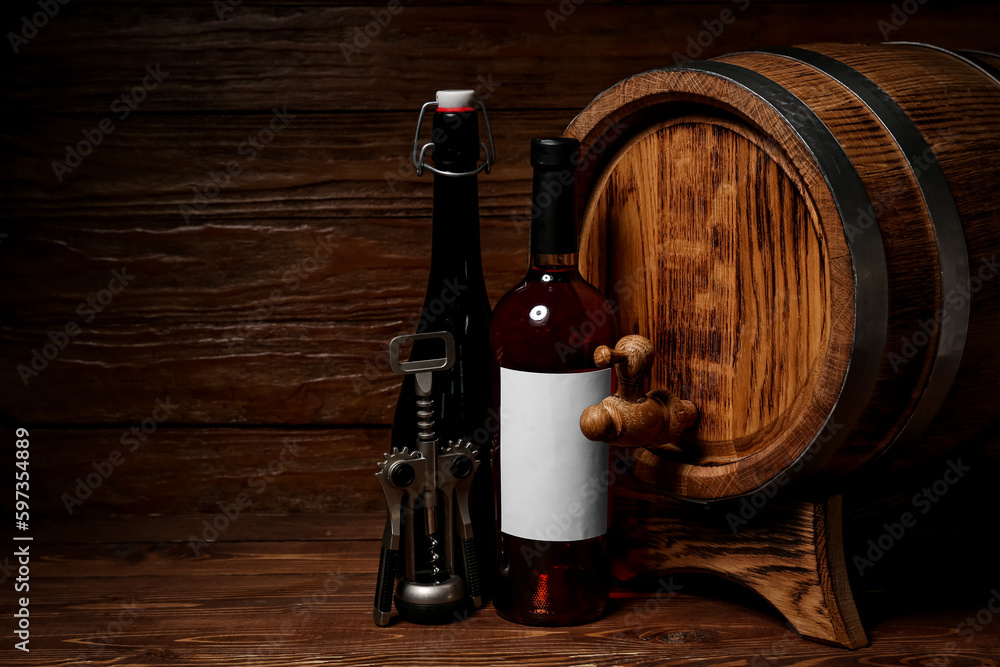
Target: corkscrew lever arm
pixel 389 556
pixel 458 466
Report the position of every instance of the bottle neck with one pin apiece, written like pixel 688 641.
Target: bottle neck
pixel 553 217
pixel 455 249
pixel 553 262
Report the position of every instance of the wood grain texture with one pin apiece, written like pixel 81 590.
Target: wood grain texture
pixel 290 54
pixel 161 528
pixel 243 272
pixel 316 165
pixel 184 470
pixel 209 307
pixel 213 558
pixel 298 373
pixel 771 392
pixel 236 612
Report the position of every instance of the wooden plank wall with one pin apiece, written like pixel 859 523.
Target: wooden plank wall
pixel 257 303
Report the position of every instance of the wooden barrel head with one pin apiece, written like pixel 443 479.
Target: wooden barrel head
pixel 718 238
pixel 733 288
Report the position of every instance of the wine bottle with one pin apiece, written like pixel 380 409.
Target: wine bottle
pixel 456 301
pixel 551 482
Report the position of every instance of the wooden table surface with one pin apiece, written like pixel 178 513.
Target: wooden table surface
pixel 297 590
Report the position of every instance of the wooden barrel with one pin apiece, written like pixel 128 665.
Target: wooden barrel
pixel 809 236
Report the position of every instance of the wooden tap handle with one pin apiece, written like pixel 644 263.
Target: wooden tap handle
pixel 629 418
pixel 631 358
pixel 605 356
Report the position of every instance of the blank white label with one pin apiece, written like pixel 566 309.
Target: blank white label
pixel 553 480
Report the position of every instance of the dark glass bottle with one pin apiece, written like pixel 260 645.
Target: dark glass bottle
pixel 551 495
pixel 457 302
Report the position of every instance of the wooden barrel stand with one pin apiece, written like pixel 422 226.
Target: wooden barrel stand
pixel 807 237
pixel 790 553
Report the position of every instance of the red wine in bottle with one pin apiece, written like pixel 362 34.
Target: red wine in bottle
pixel 456 301
pixel 550 481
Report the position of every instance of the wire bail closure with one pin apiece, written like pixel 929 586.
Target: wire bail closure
pixel 418 157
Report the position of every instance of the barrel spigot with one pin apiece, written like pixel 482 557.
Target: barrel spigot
pixel 628 418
